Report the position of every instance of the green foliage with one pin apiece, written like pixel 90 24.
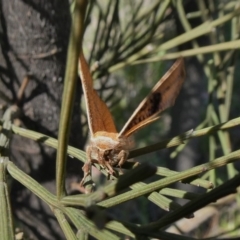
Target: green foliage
pixel 131 46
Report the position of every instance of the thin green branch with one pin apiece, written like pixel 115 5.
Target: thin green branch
pixel 157 185
pixel 143 50
pixel 6 221
pixel 82 223
pixel 32 185
pixel 175 141
pixel 199 182
pixel 69 92
pixel 65 226
pixel 226 46
pixel 225 189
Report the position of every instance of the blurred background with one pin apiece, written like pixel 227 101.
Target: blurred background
pixel 129 46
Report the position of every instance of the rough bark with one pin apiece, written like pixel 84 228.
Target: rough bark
pixel 34 38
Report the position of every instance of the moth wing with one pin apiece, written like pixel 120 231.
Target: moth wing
pixel 162 96
pixel 99 116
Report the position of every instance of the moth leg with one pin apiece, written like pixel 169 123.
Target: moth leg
pixel 109 168
pixel 87 166
pixel 122 156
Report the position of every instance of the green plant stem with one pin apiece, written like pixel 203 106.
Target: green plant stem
pixel 65 226
pixel 180 139
pixel 70 79
pixel 172 142
pixel 225 189
pixel 32 185
pixel 157 185
pixel 226 46
pixel 82 223
pixel 6 218
pixel 6 222
pixel 145 50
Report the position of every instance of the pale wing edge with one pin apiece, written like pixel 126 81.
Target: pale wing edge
pixel 142 124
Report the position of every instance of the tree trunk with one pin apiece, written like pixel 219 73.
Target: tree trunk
pixel 34 38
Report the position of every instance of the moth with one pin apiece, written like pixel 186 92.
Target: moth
pixel 107 146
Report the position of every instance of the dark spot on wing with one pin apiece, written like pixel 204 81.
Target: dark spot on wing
pixel 155 99
pixel 167 88
pixel 151 107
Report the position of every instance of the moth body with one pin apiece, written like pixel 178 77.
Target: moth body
pixel 108 149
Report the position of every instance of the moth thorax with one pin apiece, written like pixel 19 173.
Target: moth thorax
pixel 108 147
pixel 110 141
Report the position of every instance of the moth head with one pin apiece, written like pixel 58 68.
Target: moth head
pixel 103 154
pixel 112 157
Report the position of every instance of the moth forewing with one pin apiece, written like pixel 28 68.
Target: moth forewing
pixel 161 97
pixel 106 146
pixel 99 116
pixel 141 125
pixel 99 120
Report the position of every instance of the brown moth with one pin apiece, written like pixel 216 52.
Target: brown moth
pixel 107 146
